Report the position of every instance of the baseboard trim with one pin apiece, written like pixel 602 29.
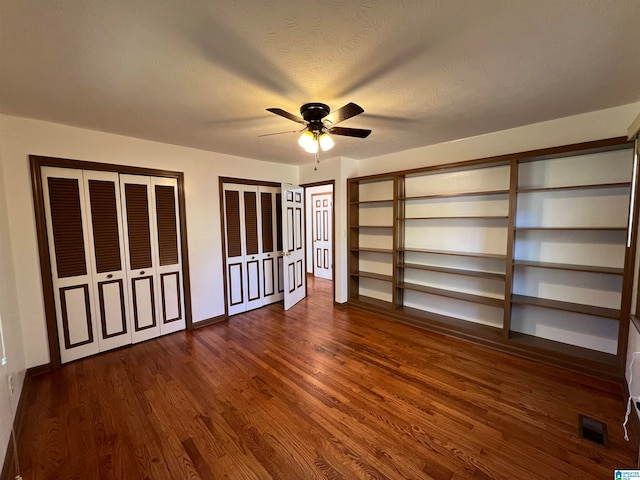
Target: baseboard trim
pixel 9 470
pixel 39 370
pixel 208 321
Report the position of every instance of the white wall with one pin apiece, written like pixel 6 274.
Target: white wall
pixel 20 137
pixel 612 122
pixel 10 325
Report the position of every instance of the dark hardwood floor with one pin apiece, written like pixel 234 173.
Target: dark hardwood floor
pixel 316 392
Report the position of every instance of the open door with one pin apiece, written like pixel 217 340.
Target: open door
pixel 293 235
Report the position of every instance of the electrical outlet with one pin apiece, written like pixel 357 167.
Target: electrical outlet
pixel 11 387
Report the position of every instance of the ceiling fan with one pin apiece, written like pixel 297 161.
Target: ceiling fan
pixel 319 122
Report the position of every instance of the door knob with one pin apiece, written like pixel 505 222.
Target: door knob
pixel 110 276
pixel 142 272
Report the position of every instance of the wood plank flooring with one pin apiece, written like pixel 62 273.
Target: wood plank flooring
pixel 316 393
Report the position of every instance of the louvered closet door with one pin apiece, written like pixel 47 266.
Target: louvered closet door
pixel 107 257
pixel 245 287
pixel 141 249
pixel 271 246
pixel 68 237
pixel 252 242
pixel 253 232
pixel 234 233
pixel 279 244
pixel 169 260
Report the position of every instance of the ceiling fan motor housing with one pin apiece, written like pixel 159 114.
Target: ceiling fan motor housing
pixel 314 113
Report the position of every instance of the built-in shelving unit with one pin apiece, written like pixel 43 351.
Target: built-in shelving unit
pixel 371 242
pixel 525 252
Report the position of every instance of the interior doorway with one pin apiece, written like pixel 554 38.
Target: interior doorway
pixel 320 233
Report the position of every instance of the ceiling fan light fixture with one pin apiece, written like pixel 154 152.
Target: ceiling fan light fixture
pixel 307 140
pixel 326 142
pixel 312 147
pixel 319 121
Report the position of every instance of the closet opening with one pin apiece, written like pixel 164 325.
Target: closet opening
pixel 113 254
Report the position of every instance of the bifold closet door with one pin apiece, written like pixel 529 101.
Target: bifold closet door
pixel 86 247
pixel 154 270
pixel 104 223
pixel 253 246
pixel 271 253
pixel 243 266
pixel 169 261
pixel 68 238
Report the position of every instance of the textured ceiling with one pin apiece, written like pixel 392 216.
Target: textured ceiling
pixel 201 73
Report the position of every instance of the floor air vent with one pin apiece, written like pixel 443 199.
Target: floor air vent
pixel 593 430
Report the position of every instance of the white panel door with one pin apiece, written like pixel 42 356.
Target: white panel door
pixel 321 214
pixel 166 229
pixel 293 242
pixel 107 255
pixel 141 250
pixel 68 238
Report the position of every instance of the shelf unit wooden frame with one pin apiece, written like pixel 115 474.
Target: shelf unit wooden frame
pixel 594 362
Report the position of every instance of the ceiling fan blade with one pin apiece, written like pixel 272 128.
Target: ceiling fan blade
pixel 340 115
pixel 350 132
pixel 280 133
pixel 290 116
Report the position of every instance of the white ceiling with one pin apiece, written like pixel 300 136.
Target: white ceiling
pixel 201 73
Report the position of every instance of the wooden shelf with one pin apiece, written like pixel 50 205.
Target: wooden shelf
pixel 454 253
pixel 371 226
pixel 455 195
pixel 562 349
pixel 371 202
pixel 611 313
pixel 570 267
pixel 575 229
pixel 370 301
pixel 475 329
pixel 454 271
pixel 376 276
pixel 575 187
pixel 477 217
pixel 373 250
pixel 467 297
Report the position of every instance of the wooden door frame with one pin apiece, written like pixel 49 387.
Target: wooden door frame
pixel 333 229
pixel 36 162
